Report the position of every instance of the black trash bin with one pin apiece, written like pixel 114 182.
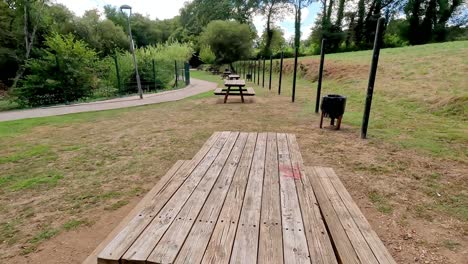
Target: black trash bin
pixel 333 106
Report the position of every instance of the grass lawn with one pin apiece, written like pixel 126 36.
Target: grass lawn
pixel 68 174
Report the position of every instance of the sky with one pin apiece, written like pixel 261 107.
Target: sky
pixel 163 9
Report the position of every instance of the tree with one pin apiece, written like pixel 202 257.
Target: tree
pixel 272 10
pixel 298 6
pixel 207 55
pixel 277 41
pixel 8 43
pixel 31 19
pixel 229 40
pixel 64 74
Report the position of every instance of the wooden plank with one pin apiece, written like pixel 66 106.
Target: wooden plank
pixel 270 244
pixel 145 243
pixel 294 239
pixel 340 239
pixel 166 179
pixel 222 239
pixel 170 244
pixel 373 240
pixel 320 247
pixel 195 244
pixel 130 232
pixel 357 240
pixel 246 243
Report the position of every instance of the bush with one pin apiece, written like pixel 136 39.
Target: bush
pixel 394 41
pixel 164 56
pixel 64 73
pixel 207 55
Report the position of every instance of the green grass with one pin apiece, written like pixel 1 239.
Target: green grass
pixel 49 179
pixel 380 202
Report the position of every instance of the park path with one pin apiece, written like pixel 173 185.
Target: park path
pixel 196 87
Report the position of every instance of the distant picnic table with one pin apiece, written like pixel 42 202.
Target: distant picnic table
pixel 234 77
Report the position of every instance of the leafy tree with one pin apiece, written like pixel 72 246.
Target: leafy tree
pixel 298 6
pixel 272 10
pixel 207 55
pixel 65 73
pixel 277 41
pixel 8 43
pixel 229 40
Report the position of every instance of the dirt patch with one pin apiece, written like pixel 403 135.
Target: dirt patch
pixel 308 69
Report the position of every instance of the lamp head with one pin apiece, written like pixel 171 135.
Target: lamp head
pixel 126 9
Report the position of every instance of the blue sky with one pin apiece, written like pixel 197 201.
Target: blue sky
pixel 163 9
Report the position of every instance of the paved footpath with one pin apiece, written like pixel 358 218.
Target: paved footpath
pixel 196 87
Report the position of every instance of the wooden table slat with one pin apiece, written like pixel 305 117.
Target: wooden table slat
pixel 294 239
pixel 320 246
pixel 170 244
pixel 246 244
pixel 125 238
pixel 220 246
pixel 144 245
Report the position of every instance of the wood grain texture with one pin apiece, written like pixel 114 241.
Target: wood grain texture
pixel 195 244
pixel 145 243
pixel 374 242
pixel 115 249
pixel 220 245
pixel 246 243
pixel 172 241
pixel 270 244
pixel 294 239
pixel 344 248
pixel 363 251
pixel 320 247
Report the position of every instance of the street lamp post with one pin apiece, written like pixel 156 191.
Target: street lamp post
pixel 127 10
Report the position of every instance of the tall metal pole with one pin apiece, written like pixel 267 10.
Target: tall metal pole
pixel 176 75
pixel 258 70
pixel 281 72
pixel 271 71
pixel 117 70
pixel 132 48
pixel 254 64
pixel 263 76
pixel 319 85
pixel 372 74
pixel 294 75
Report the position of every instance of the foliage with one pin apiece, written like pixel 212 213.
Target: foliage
pixel 163 55
pixel 63 74
pixel 207 55
pixel 229 40
pixel 275 40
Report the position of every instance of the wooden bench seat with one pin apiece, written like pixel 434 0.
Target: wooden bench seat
pixel 353 237
pixel 249 91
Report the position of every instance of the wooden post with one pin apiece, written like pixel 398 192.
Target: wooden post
pixel 258 71
pixel 263 81
pixel 372 74
pixel 281 72
pixel 295 74
pixel 271 71
pixel 319 85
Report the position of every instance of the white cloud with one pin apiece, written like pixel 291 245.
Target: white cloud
pixel 154 9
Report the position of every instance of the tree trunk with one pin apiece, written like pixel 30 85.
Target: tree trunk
pixel 269 32
pixel 297 39
pixel 330 8
pixel 339 17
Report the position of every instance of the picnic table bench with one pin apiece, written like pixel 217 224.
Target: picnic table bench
pixel 245 198
pixel 235 88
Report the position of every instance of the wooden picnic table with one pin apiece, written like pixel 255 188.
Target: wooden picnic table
pixel 234 77
pixel 239 84
pixel 245 198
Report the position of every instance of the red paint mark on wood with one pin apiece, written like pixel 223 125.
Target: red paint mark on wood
pixel 290 171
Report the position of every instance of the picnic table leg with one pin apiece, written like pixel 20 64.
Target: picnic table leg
pixel 241 93
pixel 227 94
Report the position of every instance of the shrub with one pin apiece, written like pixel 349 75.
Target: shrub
pixel 207 55
pixel 64 73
